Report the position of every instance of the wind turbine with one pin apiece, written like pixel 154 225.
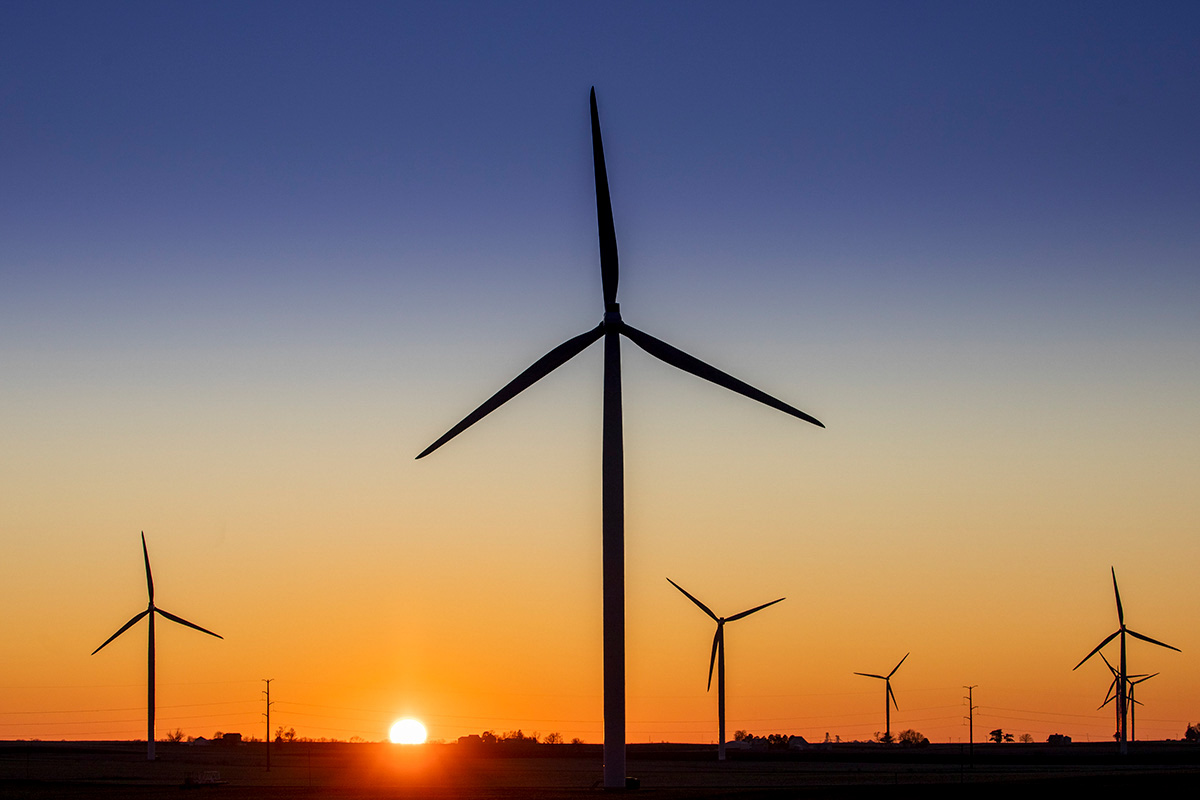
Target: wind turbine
pixel 613 470
pixel 1130 682
pixel 718 656
pixel 1133 704
pixel 150 611
pixel 887 695
pixel 1122 706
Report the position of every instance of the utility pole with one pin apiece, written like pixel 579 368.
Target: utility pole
pixel 970 718
pixel 267 714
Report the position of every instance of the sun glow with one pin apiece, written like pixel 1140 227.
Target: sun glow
pixel 407 731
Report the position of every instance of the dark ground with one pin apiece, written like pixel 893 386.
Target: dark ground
pixel 547 772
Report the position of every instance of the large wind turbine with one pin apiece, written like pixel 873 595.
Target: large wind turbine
pixel 613 471
pixel 1122 706
pixel 887 695
pixel 718 656
pixel 150 611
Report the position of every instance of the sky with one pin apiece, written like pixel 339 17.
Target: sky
pixel 255 257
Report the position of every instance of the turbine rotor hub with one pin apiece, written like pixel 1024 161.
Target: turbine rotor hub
pixel 612 315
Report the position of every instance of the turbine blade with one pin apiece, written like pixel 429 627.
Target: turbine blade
pixel 892 695
pixel 712 660
pixel 756 608
pixel 1136 635
pixel 124 628
pixel 149 577
pixel 703 607
pixel 1110 694
pixel 1111 668
pixel 1106 702
pixel 1117 592
pixel 609 272
pixel 893 672
pixel 1145 678
pixel 871 675
pixel 540 369
pixel 1097 650
pixel 681 360
pixel 183 621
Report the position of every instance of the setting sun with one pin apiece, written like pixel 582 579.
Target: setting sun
pixel 407 731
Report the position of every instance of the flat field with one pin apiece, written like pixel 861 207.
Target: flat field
pixel 544 772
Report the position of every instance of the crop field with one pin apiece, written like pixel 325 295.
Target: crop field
pixel 448 772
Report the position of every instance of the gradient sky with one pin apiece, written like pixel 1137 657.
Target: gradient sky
pixel 255 257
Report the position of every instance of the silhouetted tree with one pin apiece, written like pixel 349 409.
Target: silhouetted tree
pixel 174 736
pixel 576 740
pixel 553 738
pixel 1026 738
pixel 911 738
pixel 999 736
pixel 282 735
pixel 1193 732
pixel 741 736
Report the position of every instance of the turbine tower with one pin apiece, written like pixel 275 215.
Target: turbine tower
pixel 887 695
pixel 150 611
pixel 613 459
pixel 1122 706
pixel 718 656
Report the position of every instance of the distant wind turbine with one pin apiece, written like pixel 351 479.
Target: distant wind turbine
pixel 1122 706
pixel 1130 682
pixel 1134 703
pixel 718 656
pixel 888 695
pixel 613 470
pixel 150 611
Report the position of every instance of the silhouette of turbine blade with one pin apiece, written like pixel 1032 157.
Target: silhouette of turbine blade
pixel 540 369
pixel 756 608
pixel 893 672
pixel 717 637
pixel 149 577
pixel 892 695
pixel 1143 678
pixel 604 216
pixel 871 675
pixel 183 621
pixel 1137 635
pixel 1110 694
pixel 1111 636
pixel 681 360
pixel 703 607
pixel 1117 592
pixel 124 628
